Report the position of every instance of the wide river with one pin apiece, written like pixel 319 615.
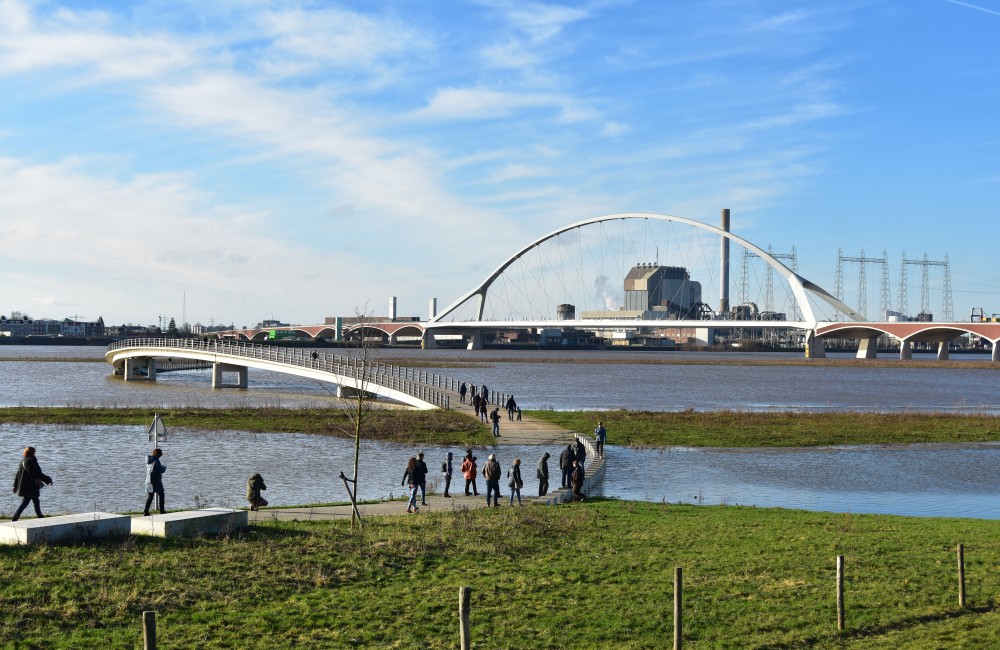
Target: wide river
pixel 102 467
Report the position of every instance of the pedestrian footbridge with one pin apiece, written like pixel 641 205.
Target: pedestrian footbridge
pixel 139 359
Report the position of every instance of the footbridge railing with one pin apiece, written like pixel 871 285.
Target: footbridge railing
pixel 425 386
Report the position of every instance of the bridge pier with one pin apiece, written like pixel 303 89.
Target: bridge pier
pixel 996 352
pixel 219 368
pixel 942 354
pixel 868 348
pixel 140 369
pixel 475 341
pixel 905 350
pixel 814 346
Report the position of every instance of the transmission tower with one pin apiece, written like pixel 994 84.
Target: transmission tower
pixel 862 261
pixel 744 288
pixel 925 264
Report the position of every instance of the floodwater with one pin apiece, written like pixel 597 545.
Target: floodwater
pixel 103 467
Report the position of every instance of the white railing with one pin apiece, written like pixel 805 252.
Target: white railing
pixel 416 383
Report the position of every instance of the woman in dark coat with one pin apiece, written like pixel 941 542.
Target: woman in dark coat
pixel 254 486
pixel 28 483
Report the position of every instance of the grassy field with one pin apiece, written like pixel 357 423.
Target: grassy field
pixel 742 429
pixel 399 425
pixel 597 574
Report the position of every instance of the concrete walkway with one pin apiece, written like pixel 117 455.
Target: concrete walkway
pixel 527 431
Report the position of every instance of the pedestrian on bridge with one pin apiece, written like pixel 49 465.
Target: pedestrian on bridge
pixel 515 483
pixel 154 481
pixel 461 392
pixel 543 475
pixel 492 473
pixel 600 435
pixel 28 483
pixel 411 474
pixel 566 459
pixel 469 472
pixel 511 407
pixel 578 476
pixel 495 417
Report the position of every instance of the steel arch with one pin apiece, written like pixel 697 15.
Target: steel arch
pixel 799 285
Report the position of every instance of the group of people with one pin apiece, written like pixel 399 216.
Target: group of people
pixel 479 397
pixel 30 478
pixel 571 465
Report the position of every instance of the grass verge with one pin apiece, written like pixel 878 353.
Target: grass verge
pixel 597 574
pixel 748 429
pixel 398 425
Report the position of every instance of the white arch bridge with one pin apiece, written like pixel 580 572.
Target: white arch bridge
pixel 141 359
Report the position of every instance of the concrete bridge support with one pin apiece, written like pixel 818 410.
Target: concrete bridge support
pixel 814 346
pixel 867 348
pixel 475 341
pixel 996 352
pixel 219 368
pixel 429 342
pixel 140 369
pixel 905 350
pixel 942 354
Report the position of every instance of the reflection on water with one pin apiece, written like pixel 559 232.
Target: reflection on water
pixel 100 467
pixel 915 480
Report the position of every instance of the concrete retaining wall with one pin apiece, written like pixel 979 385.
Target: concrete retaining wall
pixel 81 527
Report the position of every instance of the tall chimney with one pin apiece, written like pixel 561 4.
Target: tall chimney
pixel 392 309
pixel 432 308
pixel 724 271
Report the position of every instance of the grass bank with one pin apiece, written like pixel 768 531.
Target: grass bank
pixel 743 429
pixel 597 574
pixel 399 425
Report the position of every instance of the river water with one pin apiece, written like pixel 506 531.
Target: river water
pixel 102 467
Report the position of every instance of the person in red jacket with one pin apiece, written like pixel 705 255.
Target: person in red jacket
pixel 469 472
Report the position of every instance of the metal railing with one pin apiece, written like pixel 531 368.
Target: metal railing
pixel 426 386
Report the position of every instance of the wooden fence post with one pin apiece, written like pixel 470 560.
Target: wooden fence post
pixel 840 593
pixel 149 631
pixel 464 596
pixel 678 599
pixel 961 575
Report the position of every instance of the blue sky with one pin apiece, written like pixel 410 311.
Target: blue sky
pixel 303 160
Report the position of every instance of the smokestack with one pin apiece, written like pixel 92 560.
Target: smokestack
pixel 724 271
pixel 392 309
pixel 432 308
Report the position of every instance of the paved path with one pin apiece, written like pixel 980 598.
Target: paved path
pixel 527 431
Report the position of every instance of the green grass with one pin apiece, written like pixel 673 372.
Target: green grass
pixel 399 425
pixel 598 574
pixel 742 429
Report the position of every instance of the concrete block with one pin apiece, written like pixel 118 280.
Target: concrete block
pixel 190 523
pixel 82 527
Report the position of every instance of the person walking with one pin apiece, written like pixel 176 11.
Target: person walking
pixel 515 483
pixel 255 484
pixel 543 475
pixel 578 475
pixel 446 469
pixel 600 435
pixel 154 481
pixel 469 472
pixel 566 459
pixel 461 392
pixel 422 473
pixel 495 417
pixel 492 473
pixel 28 483
pixel 511 407
pixel 486 395
pixel 581 452
pixel 411 474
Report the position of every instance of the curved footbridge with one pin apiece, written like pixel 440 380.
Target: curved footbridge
pixel 141 359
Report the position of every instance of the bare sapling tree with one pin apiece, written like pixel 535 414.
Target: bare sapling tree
pixel 360 404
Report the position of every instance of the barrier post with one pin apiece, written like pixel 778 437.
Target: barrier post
pixel 149 630
pixel 961 575
pixel 464 598
pixel 840 593
pixel 678 598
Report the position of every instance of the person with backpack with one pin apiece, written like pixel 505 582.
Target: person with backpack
pixel 495 417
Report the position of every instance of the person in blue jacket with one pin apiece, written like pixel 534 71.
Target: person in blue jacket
pixel 154 481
